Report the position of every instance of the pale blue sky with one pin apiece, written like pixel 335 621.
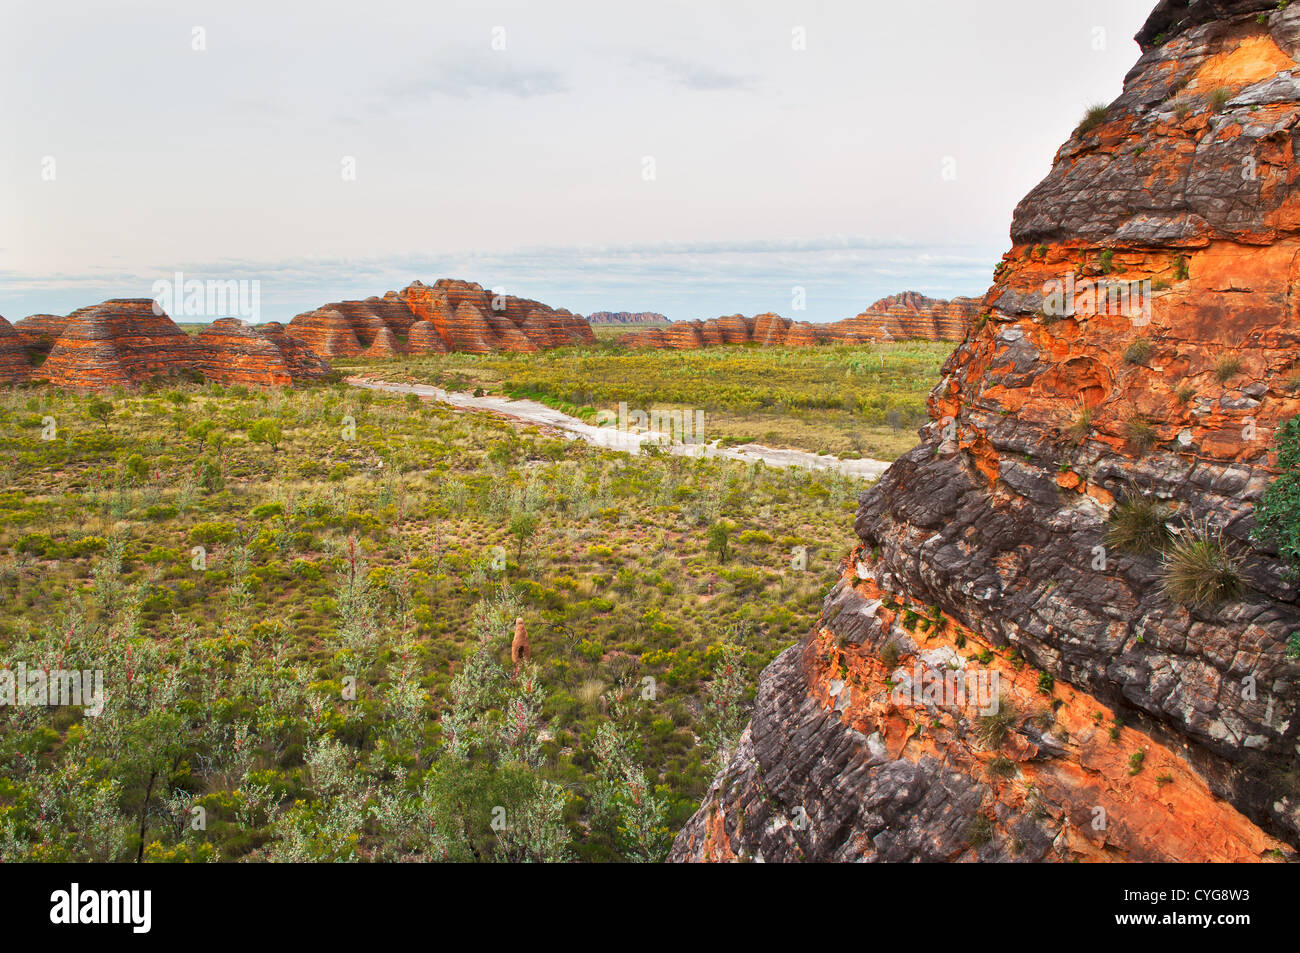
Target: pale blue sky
pixel 523 167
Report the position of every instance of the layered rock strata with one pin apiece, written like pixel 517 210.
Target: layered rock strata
pixel 40 331
pixel 1130 725
pixel 907 316
pixel 15 365
pixel 233 352
pixel 120 342
pixel 449 315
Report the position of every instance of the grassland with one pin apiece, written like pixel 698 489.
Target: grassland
pixel 302 604
pixel 852 402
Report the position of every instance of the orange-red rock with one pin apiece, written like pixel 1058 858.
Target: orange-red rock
pixel 906 316
pixel 233 352
pixel 40 331
pixel 384 345
pixel 327 332
pixel 15 367
pixel 425 339
pixel 1137 727
pixel 119 342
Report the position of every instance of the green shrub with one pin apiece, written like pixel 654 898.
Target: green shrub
pixel 1199 570
pixel 1139 351
pixel 1137 525
pixel 1140 433
pixel 1228 367
pixel 1277 517
pixel 1217 98
pixel 889 655
pixel 994 728
pixel 1094 117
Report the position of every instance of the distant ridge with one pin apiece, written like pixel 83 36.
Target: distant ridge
pixel 627 317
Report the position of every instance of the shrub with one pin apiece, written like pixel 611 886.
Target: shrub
pixel 1139 351
pixel 889 655
pixel 1277 517
pixel 1094 117
pixel 266 431
pixel 1228 367
pixel 1137 525
pixel 1218 98
pixel 992 729
pixel 1199 570
pixel 980 831
pixel 1140 433
pixel 719 536
pixel 1081 426
pixel 1000 766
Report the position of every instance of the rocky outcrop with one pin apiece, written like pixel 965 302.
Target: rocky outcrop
pixel 425 339
pixel 329 332
pixel 385 345
pixel 1125 724
pixel 40 331
pixel 468 318
pixel 447 316
pixel 907 316
pixel 233 352
pixel 119 342
pixel 15 366
pixel 626 317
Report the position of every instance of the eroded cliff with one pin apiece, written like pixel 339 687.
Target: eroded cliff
pixel 1130 367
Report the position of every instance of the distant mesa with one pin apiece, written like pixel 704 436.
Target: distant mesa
pixel 906 316
pixel 449 315
pixel 234 352
pixel 626 317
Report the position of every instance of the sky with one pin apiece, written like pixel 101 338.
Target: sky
pixel 691 158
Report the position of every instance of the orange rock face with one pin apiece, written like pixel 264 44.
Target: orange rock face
pixel 468 318
pixel 119 342
pixel 233 352
pixel 40 331
pixel 1140 341
pixel 384 345
pixel 909 316
pixel 15 367
pixel 450 315
pixel 906 316
pixel 330 333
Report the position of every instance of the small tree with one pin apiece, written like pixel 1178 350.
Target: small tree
pixel 522 528
pixel 266 431
pixel 100 409
pixel 719 541
pixel 725 712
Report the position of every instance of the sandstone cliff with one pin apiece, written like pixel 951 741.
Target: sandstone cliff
pixel 119 342
pixel 1131 725
pixel 230 351
pixel 15 366
pixel 449 315
pixel 40 331
pixel 906 316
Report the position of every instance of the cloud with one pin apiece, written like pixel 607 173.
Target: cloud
pixel 487 74
pixel 698 76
